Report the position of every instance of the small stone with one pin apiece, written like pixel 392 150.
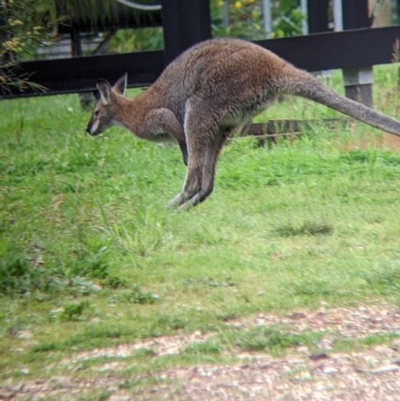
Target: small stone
pixel 384 350
pixel 30 344
pixel 24 335
pixel 117 397
pixel 302 350
pixel 112 389
pixel 62 382
pixel 77 368
pixel 330 370
pixel 295 361
pixel 24 371
pixel 386 369
pixel 325 343
pixel 16 387
pixel 305 375
pixel 57 310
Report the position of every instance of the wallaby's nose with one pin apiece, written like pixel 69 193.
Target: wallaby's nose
pixel 88 129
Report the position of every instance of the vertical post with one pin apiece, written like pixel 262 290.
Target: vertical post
pixel 398 8
pixel 185 23
pixel 304 23
pixel 355 14
pixel 317 11
pixel 76 45
pixel 357 81
pixel 86 99
pixel 266 4
pixel 225 13
pixel 337 15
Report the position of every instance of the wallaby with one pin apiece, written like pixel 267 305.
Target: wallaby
pixel 205 95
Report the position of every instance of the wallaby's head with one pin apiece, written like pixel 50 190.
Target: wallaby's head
pixel 104 111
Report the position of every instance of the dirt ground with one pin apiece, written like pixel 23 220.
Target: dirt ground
pixel 303 374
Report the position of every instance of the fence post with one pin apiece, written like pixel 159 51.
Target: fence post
pixel 357 81
pixel 317 11
pixel 185 23
pixel 76 45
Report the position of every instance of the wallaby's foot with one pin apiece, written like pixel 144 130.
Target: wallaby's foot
pixel 193 201
pixel 175 202
pixel 184 201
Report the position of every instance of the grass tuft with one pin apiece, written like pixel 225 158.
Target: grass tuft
pixel 271 339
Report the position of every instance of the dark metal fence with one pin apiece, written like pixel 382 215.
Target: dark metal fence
pixel 188 22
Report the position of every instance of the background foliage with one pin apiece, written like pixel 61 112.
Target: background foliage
pixel 25 24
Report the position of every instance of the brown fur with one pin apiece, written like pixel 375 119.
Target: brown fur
pixel 205 95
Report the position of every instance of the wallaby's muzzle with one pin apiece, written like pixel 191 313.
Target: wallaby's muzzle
pixel 92 130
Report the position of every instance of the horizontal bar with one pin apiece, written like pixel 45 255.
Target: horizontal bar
pixel 79 74
pixel 331 50
pixel 316 52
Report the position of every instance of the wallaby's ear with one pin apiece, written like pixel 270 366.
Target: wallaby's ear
pixel 120 85
pixel 105 91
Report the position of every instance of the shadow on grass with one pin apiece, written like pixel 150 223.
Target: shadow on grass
pixel 307 228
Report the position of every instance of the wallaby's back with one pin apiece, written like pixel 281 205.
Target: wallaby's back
pixel 230 75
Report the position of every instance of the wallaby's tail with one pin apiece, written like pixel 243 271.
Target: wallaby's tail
pixel 311 88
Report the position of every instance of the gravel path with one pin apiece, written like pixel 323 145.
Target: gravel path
pixel 372 374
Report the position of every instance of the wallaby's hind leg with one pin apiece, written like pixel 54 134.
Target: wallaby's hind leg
pixel 207 184
pixel 194 172
pixel 208 175
pixel 184 151
pixel 200 132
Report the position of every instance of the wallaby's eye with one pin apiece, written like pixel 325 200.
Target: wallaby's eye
pixel 96 113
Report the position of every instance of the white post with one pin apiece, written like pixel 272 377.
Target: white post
pixel 267 17
pixel 337 15
pixel 357 81
pixel 304 24
pixel 225 13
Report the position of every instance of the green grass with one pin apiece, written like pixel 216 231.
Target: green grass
pixel 90 256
